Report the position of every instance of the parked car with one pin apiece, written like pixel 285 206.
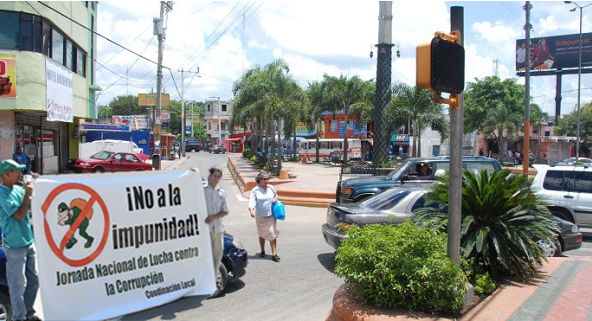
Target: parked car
pixel 408 174
pixel 234 262
pixel 106 161
pixel 192 144
pixel 572 160
pixel 397 204
pixel 568 190
pixel 218 149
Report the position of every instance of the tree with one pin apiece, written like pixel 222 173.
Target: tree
pixel 568 126
pixel 104 111
pixel 345 93
pixel 200 131
pixel 417 105
pixel 316 93
pixel 537 119
pixel 127 105
pixel 494 108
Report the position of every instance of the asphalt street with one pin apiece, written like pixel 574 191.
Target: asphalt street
pixel 300 287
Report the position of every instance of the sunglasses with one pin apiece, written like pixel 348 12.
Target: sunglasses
pixel 265 179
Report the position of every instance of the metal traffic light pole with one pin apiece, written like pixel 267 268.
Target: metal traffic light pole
pixel 456 143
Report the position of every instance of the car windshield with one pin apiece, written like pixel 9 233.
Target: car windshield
pixel 102 155
pixel 399 171
pixel 386 200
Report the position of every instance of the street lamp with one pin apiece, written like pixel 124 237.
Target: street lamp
pixel 219 122
pixel 579 75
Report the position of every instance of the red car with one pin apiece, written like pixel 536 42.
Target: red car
pixel 105 161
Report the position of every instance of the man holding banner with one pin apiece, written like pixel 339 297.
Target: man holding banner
pixel 17 238
pixel 217 208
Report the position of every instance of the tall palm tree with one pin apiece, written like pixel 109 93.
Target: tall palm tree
pixel 316 94
pixel 343 93
pixel 417 105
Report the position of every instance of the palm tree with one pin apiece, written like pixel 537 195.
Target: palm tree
pixel 342 94
pixel 417 105
pixel 501 219
pixel 316 94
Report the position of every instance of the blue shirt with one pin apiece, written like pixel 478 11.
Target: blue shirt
pixel 15 233
pixel 23 158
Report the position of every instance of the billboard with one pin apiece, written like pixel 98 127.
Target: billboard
pixel 150 100
pixel 7 76
pixel 555 52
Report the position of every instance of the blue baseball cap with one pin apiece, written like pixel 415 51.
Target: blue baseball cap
pixel 8 165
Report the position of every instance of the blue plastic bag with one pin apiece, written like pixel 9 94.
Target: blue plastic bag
pixel 278 210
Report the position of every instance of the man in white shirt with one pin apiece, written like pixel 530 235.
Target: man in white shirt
pixel 217 208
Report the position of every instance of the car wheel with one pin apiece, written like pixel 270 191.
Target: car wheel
pixel 550 249
pixel 223 152
pixel 221 280
pixel 98 170
pixel 562 215
pixel 5 307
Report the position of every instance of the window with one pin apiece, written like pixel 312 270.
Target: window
pixel 386 200
pixel 80 62
pixel 559 181
pixel 26 32
pixel 324 145
pixel 9 34
pixel 208 108
pixel 57 47
pixel 209 124
pixel 548 133
pixel 436 150
pixel 584 182
pixel 131 158
pixel 336 145
pixel 46 38
pixel 223 125
pixel 224 107
pixel 477 167
pixel 69 63
pixel 333 126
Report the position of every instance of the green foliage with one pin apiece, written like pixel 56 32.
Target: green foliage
pixel 568 124
pixel 484 284
pixel 500 218
pixel 494 108
pixel 104 110
pixel 294 159
pixel 127 105
pixel 389 164
pixel 247 153
pixel 200 131
pixel 401 265
pixel 253 158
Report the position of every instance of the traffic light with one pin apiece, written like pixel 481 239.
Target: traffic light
pixel 441 65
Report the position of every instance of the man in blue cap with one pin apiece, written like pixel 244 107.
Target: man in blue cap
pixel 17 238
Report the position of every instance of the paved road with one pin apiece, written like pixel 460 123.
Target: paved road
pixel 300 287
pixel 586 249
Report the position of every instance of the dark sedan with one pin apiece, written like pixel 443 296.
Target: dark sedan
pixel 106 161
pixel 234 262
pixel 397 204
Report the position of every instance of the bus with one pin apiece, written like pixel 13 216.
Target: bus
pixel 329 145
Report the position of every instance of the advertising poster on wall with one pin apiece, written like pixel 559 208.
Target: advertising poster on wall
pixel 7 76
pixel 556 52
pixel 109 247
pixel 60 99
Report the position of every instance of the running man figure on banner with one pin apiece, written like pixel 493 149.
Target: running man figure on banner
pixel 68 215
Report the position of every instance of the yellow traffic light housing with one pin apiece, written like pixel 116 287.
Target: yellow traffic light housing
pixel 441 66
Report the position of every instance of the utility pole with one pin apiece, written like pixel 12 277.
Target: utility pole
pixel 159 30
pixel 526 148
pixel 184 153
pixel 456 149
pixel 383 81
pixel 219 122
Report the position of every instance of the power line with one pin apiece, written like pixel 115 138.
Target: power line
pixel 129 44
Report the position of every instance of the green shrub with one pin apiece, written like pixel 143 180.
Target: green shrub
pixel 247 153
pixel 401 265
pixel 501 217
pixel 254 159
pixel 294 159
pixel 484 285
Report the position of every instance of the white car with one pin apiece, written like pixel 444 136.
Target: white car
pixel 568 190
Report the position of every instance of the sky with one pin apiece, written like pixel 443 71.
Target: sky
pixel 224 38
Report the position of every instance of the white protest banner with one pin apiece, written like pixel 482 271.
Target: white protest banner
pixel 60 99
pixel 113 244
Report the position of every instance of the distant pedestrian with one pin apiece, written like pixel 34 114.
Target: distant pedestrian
pixel 23 159
pixel 401 150
pixel 481 153
pixel 262 196
pixel 17 237
pixel 217 207
pixel 489 153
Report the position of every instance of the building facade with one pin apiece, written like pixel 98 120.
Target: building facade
pixel 217 115
pixel 47 76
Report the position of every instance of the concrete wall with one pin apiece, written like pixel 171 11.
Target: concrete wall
pixel 7 132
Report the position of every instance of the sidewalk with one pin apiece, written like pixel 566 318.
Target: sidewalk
pixel 169 165
pixel 313 185
pixel 563 291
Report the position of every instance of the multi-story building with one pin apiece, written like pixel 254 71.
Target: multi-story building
pixel 218 112
pixel 47 53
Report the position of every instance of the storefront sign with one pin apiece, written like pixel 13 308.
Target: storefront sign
pixel 136 122
pixel 105 127
pixel 60 99
pixel 360 131
pixel 7 76
pixel 150 100
pixel 108 246
pixel 399 138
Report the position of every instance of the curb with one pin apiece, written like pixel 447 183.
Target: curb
pixel 307 198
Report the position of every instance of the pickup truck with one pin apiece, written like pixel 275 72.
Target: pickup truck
pixel 192 144
pixel 409 173
pixel 218 149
